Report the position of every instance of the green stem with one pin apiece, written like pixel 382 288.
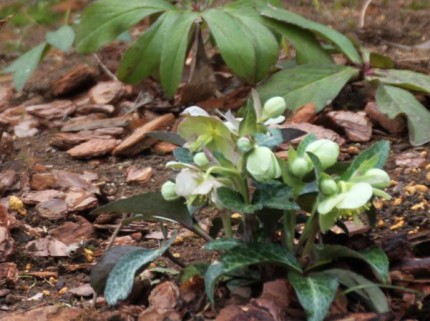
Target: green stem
pixel 226 223
pixel 314 229
pixel 289 230
pixel 201 232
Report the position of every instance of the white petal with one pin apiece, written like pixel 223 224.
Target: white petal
pixel 194 111
pixel 357 196
pixel 186 182
pixel 274 121
pixel 329 203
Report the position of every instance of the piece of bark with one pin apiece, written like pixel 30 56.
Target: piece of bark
pixel 76 79
pixel 107 92
pixel 58 109
pixel 139 175
pixel 393 125
pixel 71 232
pixel 47 246
pixel 414 266
pixel 33 198
pixel 9 273
pixel 163 148
pixel 357 126
pixel 7 147
pixel 95 108
pixel 304 114
pixel 79 200
pixel 69 140
pixel 28 127
pixel 46 313
pixel 54 209
pixel 412 159
pixel 6 94
pixel 138 141
pixel 96 124
pixel 318 131
pixel 93 148
pixel 42 181
pixel 7 178
pixel 67 180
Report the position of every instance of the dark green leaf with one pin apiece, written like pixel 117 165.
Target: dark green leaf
pixel 396 101
pixel 377 60
pixel 315 292
pixel 246 255
pixel 248 126
pixel 375 257
pixel 264 42
pixel 23 67
pixel 403 78
pixel 371 295
pixel 235 46
pixel 143 57
pixel 339 40
pixel 308 49
pixel 170 137
pixel 183 155
pixel 380 150
pixel 274 195
pixel 105 20
pixel 62 39
pixel 234 201
pixel 317 165
pixel 291 133
pixel 175 45
pixel 121 279
pixel 153 206
pixel 315 83
pixel 310 138
pixel 222 244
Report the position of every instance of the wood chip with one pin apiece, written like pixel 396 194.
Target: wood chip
pixel 74 80
pixel 305 114
pixel 108 92
pixel 86 124
pixel 138 141
pixel 394 126
pixel 58 109
pixel 357 126
pixel 93 148
pixel 139 175
pixel 318 131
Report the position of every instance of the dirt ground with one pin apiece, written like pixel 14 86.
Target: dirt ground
pixel 388 25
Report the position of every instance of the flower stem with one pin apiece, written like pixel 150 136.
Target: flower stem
pixel 289 228
pixel 226 223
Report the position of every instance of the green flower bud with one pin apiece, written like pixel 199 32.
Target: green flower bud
pixel 244 144
pixel 300 167
pixel 262 164
pixel 200 159
pixel 328 187
pixel 326 151
pixel 377 178
pixel 274 107
pixel 168 191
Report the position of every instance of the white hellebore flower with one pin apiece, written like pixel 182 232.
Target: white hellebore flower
pixel 326 150
pixel 274 108
pixel 262 164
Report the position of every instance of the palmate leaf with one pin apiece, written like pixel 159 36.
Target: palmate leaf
pixel 315 292
pixel 120 281
pixel 143 57
pixel 23 67
pixel 403 78
pixel 265 45
pixel 274 195
pixel 235 45
pixel 370 294
pixel 151 205
pixel 234 201
pixel 175 45
pixel 315 83
pixel 104 20
pixel 308 49
pixel 380 150
pixel 339 40
pixel 376 258
pixel 395 101
pixel 246 255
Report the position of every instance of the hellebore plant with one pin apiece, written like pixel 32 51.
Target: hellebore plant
pixel 230 164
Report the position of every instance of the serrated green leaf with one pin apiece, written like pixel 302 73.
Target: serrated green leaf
pixel 183 155
pixel 235 46
pixel 274 195
pixel 265 45
pixel 143 57
pixel 371 296
pixel 308 49
pixel 394 101
pixel 62 38
pixel 246 255
pixel 406 79
pixel 248 126
pixel 222 244
pixel 121 279
pixel 272 138
pixel 379 150
pixel 103 21
pixel 23 67
pixel 234 201
pixel 315 83
pixel 151 205
pixel 175 45
pixel 339 40
pixel 315 292
pixel 376 258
